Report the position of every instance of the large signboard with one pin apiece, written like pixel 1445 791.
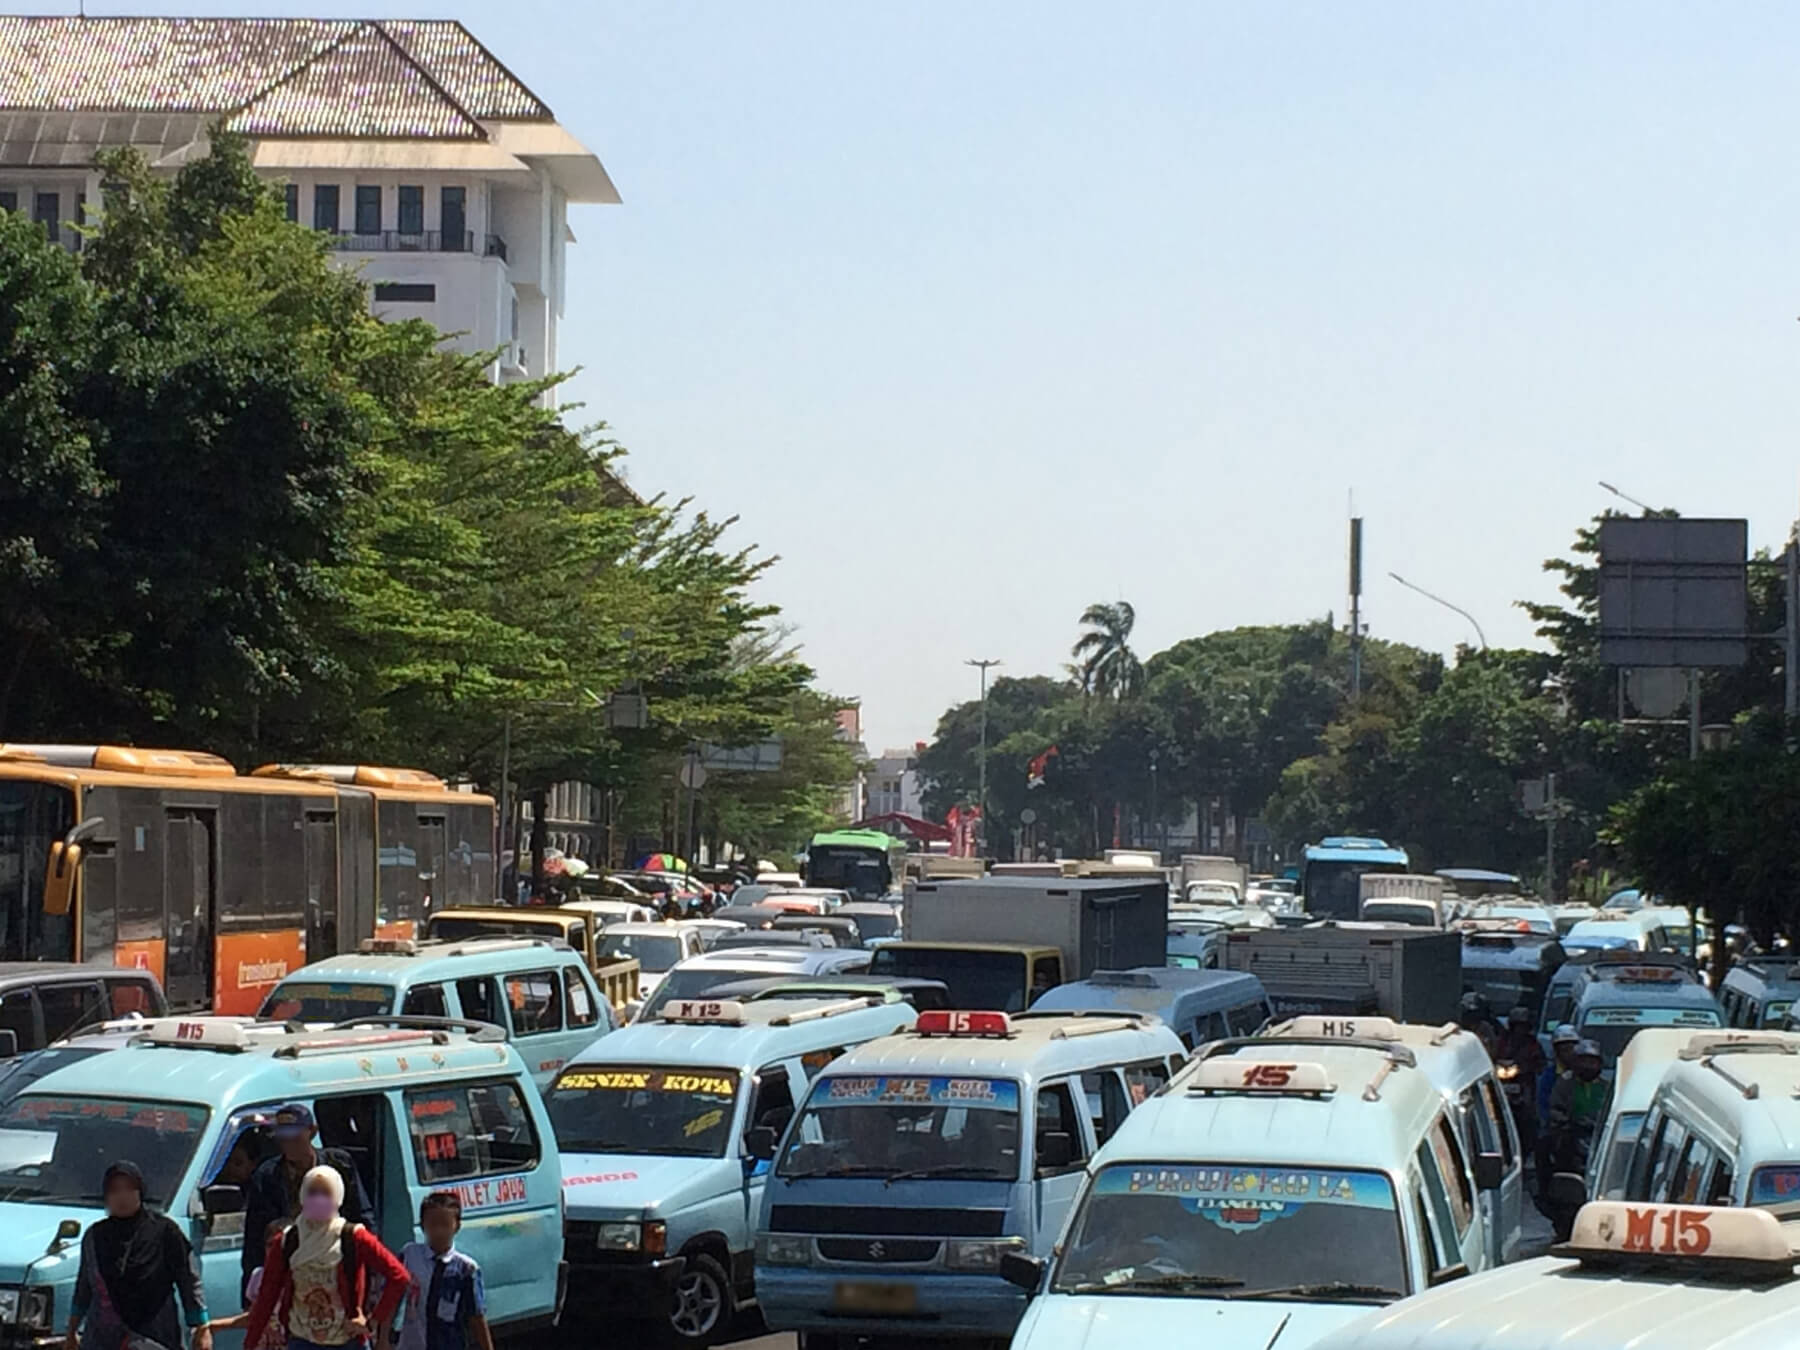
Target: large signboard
pixel 1672 591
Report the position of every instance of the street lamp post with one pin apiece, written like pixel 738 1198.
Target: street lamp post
pixel 981 764
pixel 1645 507
pixel 1481 636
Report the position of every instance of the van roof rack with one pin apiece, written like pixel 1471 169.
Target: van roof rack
pixel 838 1009
pixel 484 1032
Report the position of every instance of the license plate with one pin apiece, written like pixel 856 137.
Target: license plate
pixel 876 1298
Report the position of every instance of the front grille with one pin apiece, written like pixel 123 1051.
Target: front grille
pixel 905 1222
pixel 881 1250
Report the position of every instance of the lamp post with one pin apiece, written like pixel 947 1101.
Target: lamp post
pixel 1480 636
pixel 981 765
pixel 1645 507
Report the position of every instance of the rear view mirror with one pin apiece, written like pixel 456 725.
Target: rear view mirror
pixel 69 1230
pixel 759 1143
pixel 1490 1171
pixel 1567 1190
pixel 1021 1271
pixel 1055 1151
pixel 9 1044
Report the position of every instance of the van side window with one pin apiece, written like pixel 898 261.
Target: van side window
pixel 130 996
pixel 1718 1189
pixel 814 1060
pixel 1454 1171
pixel 1215 1028
pixel 18 1014
pixel 1684 1186
pixel 67 1006
pixel 1056 1115
pixel 1106 1102
pixel 536 1002
pixel 470 1130
pixel 1143 1080
pixel 480 1000
pixel 1664 1160
pixel 425 1000
pixel 1499 1113
pixel 1439 1226
pixel 580 1002
pixel 1246 1019
pixel 774 1100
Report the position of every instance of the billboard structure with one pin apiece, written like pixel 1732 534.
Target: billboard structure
pixel 1673 592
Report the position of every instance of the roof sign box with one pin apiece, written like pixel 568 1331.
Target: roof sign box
pixel 943 1022
pixel 1608 1230
pixel 209 1033
pixel 705 1012
pixel 1340 1028
pixel 1262 1077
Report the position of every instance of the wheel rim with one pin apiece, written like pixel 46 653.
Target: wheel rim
pixel 698 1302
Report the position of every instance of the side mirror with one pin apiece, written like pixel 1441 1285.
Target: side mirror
pixel 9 1044
pixel 1567 1190
pixel 1055 1151
pixel 759 1143
pixel 1490 1171
pixel 69 1230
pixel 1447 1274
pixel 1021 1271
pixel 222 1199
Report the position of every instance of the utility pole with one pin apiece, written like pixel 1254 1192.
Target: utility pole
pixel 1550 836
pixel 1356 607
pixel 1791 633
pixel 981 770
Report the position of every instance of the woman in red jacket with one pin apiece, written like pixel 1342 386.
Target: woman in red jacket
pixel 316 1276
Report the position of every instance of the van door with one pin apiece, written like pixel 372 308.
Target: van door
pixel 363 1126
pixel 188 890
pixel 1458 1186
pixel 534 1002
pixel 1510 1209
pixel 771 1104
pixel 1055 1180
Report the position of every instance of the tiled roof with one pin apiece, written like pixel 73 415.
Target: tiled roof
pixel 270 77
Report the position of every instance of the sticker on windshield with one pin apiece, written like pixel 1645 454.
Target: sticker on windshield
pixel 1240 1199
pixel 1650 1017
pixel 988 1094
pixel 1775 1186
pixel 648 1080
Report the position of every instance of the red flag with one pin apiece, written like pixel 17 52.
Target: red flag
pixel 1035 771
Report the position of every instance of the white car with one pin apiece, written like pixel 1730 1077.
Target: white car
pixel 610 912
pixel 657 946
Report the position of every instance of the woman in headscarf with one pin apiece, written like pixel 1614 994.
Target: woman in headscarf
pixel 317 1275
pixel 135 1266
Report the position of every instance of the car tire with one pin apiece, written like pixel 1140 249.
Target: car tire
pixel 700 1305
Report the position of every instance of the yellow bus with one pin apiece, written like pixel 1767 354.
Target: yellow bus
pixel 217 882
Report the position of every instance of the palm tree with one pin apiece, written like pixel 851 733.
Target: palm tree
pixel 1107 665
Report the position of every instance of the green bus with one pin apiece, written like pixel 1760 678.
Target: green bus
pixel 867 863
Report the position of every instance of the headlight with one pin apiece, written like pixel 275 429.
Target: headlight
pixel 620 1237
pixel 983 1256
pixel 36 1309
pixel 1506 1072
pixel 9 1306
pixel 785 1249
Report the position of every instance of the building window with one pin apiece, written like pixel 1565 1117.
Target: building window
pixel 515 316
pixel 453 219
pixel 292 193
pixel 412 210
pixel 9 201
pixel 420 293
pixel 48 212
pixel 325 207
pixel 368 210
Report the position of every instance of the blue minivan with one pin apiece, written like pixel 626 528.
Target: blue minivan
pixel 192 1101
pixel 1201 1005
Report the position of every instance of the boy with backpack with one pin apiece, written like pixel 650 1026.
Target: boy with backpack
pixel 446 1306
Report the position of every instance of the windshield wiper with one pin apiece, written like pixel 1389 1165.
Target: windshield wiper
pixel 840 1171
pixel 942 1170
pixel 1335 1289
pixel 1166 1281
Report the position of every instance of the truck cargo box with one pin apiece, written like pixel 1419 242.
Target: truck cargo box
pixel 1412 975
pixel 1112 923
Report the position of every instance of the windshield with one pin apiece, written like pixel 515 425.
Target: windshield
pixel 1333 890
pixel 655 952
pixel 55 1150
pixel 947 1128
pixel 21 1073
pixel 32 815
pixel 1612 1028
pixel 683 1113
pixel 861 871
pixel 978 981
pixel 453 929
pixel 1779 1185
pixel 1597 942
pixel 1504 990
pixel 874 924
pixel 320 1001
pixel 1415 913
pixel 693 983
pixel 1230 1230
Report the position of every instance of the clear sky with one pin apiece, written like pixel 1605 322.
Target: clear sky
pixel 977 313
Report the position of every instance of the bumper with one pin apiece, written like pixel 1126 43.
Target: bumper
pixel 940 1305
pixel 641 1289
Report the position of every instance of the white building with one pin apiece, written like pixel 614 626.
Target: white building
pixel 894 784
pixel 447 180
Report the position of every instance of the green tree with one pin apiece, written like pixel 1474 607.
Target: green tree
pixel 1107 665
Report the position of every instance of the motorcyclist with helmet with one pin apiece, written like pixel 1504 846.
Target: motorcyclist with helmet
pixel 1578 1106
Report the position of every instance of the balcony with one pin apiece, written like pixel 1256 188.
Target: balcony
pixel 423 241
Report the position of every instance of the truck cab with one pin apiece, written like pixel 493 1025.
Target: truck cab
pixel 984 976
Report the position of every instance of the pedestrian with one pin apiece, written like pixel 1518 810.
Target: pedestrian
pixel 274 1191
pixel 446 1305
pixel 136 1265
pixel 317 1276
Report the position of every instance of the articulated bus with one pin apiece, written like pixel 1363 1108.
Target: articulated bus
pixel 221 883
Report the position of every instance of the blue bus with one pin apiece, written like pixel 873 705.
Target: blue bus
pixel 1330 877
